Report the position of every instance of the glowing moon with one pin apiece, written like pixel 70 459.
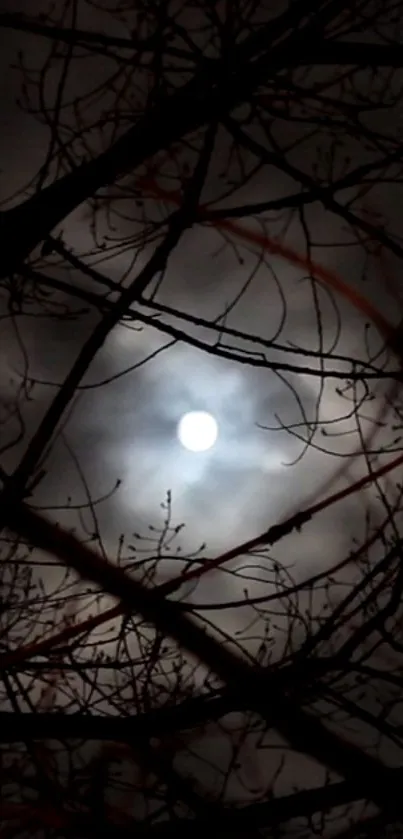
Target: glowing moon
pixel 197 431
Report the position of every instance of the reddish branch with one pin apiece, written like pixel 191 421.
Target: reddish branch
pixel 269 537
pixel 257 687
pixel 201 101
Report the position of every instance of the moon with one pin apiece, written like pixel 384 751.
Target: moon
pixel 197 431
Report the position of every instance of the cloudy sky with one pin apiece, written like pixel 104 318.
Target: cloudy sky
pixel 123 425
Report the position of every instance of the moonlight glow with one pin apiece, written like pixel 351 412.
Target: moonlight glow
pixel 197 431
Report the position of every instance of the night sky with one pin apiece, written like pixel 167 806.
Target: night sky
pixel 122 425
pixel 126 428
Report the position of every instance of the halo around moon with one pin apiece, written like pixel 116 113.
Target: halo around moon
pixel 197 431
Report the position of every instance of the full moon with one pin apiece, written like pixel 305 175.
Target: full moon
pixel 197 431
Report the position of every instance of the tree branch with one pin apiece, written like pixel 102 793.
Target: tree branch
pixel 300 729
pixel 215 90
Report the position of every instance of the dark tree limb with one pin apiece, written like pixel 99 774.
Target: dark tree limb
pixel 259 689
pixel 214 91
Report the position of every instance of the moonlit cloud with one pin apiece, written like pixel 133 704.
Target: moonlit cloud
pixel 126 429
